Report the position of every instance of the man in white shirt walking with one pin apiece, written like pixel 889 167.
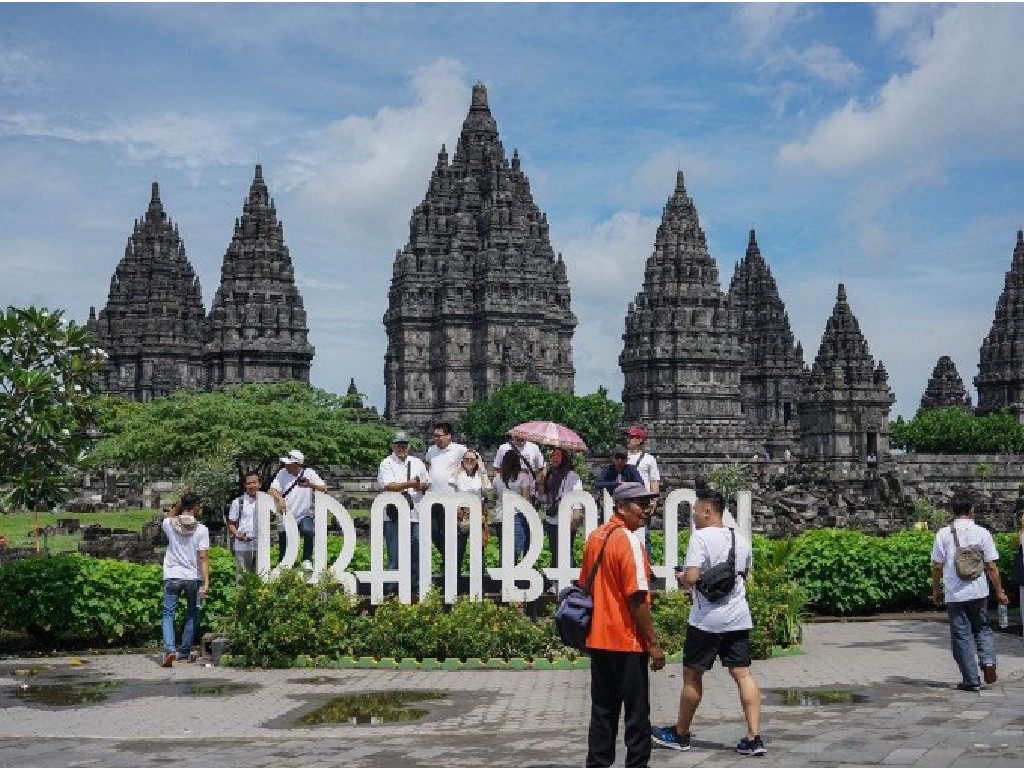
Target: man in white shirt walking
pixel 292 489
pixel 186 572
pixel 966 598
pixel 715 628
pixel 442 459
pixel 242 526
pixel 407 475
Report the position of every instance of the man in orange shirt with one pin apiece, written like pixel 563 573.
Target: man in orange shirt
pixel 621 635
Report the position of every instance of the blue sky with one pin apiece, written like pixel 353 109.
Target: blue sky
pixel 880 145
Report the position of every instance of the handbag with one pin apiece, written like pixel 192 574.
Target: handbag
pixel 717 582
pixel 576 608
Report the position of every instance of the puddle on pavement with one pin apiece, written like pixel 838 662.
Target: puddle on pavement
pixel 57 687
pixel 67 694
pixel 370 708
pixel 813 697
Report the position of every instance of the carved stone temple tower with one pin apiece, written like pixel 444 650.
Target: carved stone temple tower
pixel 478 298
pixel 946 388
pixel 1000 379
pixel 257 330
pixel 844 408
pixel 773 360
pixel 681 358
pixel 152 324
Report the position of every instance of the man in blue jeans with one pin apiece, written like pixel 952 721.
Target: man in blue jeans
pixel 186 572
pixel 292 489
pixel 967 598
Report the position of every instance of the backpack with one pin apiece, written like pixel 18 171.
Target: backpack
pixel 576 608
pixel 969 562
pixel 717 582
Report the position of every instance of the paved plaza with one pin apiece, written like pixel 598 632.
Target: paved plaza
pixel 907 712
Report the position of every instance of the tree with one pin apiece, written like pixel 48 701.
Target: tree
pixel 594 417
pixel 47 397
pixel 952 430
pixel 192 434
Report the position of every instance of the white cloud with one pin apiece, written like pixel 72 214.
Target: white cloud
pixel 18 69
pixel 363 175
pixel 964 91
pixel 188 141
pixel 761 25
pixel 820 61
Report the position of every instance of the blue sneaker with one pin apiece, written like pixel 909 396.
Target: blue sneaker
pixel 666 736
pixel 752 746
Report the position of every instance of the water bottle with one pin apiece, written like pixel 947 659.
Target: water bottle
pixel 1004 619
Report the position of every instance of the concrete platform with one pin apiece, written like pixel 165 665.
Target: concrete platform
pixel 193 715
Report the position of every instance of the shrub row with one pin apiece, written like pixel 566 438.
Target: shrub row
pixel 849 573
pixel 106 602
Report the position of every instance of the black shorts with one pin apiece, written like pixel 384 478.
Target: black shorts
pixel 701 647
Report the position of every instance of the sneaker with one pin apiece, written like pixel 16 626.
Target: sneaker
pixel 990 673
pixel 666 736
pixel 307 566
pixel 753 747
pixel 169 658
pixel 972 687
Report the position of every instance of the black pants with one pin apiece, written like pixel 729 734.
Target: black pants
pixel 617 679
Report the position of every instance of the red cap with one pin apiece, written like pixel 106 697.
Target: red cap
pixel 637 432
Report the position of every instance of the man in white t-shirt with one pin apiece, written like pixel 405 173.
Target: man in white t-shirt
pixel 720 628
pixel 442 459
pixel 242 526
pixel 646 465
pixel 292 489
pixel 407 475
pixel 967 600
pixel 530 457
pixel 186 571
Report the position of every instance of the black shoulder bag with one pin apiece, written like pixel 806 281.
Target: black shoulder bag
pixel 576 608
pixel 717 582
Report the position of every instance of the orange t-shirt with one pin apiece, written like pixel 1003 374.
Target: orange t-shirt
pixel 623 572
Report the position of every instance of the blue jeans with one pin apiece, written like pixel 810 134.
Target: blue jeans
pixel 307 530
pixel 968 621
pixel 522 536
pixel 173 589
pixel 391 544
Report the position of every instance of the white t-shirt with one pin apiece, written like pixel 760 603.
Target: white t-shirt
pixel 708 547
pixel 245 518
pixel 299 498
pixel 531 454
pixel 646 465
pixel 523 485
pixel 441 464
pixel 181 559
pixel 394 470
pixel 970 534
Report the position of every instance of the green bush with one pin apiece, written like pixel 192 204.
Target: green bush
pixel 108 602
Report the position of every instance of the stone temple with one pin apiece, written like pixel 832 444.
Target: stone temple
pixel 154 327
pixel 716 377
pixel 478 297
pixel 1000 379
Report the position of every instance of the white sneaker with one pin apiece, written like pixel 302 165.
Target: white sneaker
pixel 307 566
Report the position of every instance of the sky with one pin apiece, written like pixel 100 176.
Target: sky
pixel 881 146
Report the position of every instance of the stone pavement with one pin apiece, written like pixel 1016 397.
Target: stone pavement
pixel 194 715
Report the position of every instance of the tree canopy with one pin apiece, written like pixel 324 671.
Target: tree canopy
pixel 594 417
pixel 47 394
pixel 953 430
pixel 252 425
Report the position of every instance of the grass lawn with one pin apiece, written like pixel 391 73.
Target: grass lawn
pixel 19 527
